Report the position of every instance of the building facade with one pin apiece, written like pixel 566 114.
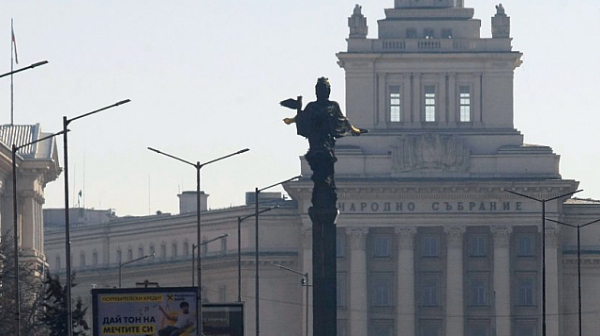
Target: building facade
pixel 36 166
pixel 431 241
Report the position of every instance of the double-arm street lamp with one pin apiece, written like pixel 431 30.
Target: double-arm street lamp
pixel 198 166
pixel 578 227
pixel 543 202
pixel 66 123
pixel 239 247
pixel 130 262
pixel 256 212
pixel 194 246
pixel 304 283
pixel 15 149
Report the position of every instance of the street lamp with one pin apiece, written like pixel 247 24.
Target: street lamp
pixel 198 166
pixel 303 283
pixel 15 149
pixel 66 122
pixel 131 262
pixel 578 227
pixel 37 64
pixel 239 247
pixel 194 246
pixel 543 201
pixel 256 296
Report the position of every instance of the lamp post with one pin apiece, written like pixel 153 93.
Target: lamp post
pixel 239 247
pixel 15 149
pixel 131 262
pixel 194 246
pixel 66 123
pixel 304 283
pixel 34 65
pixel 543 201
pixel 578 227
pixel 198 166
pixel 256 289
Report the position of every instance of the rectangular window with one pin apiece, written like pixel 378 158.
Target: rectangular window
pixel 174 250
pixel 223 245
pixel 394 102
pixel 186 249
pixel 341 290
pixel 382 327
pixel 140 252
pixel 82 260
pixel 430 293
pixel 465 103
pixel 447 33
pixel 340 245
pixel 478 293
pixel 382 293
pixel 411 33
pixel 525 292
pixel 129 255
pixel 430 246
pixel 163 251
pixel 526 245
pixel 430 328
pixel 95 259
pixel 428 33
pixel 478 245
pixel 341 328
pixel 479 328
pixel 222 293
pixel 525 329
pixel 152 251
pixel 429 103
pixel 382 246
pixel 57 262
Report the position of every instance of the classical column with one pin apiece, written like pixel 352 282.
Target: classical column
pixel 552 290
pixel 358 281
pixel 405 324
pixel 454 278
pixel 502 279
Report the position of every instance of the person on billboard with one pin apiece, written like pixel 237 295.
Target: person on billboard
pixel 181 323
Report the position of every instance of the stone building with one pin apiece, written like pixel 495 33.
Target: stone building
pixel 37 165
pixel 430 240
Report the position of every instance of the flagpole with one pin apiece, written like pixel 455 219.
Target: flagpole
pixel 12 45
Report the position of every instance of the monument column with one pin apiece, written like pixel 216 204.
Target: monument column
pixel 358 281
pixel 454 278
pixel 405 324
pixel 552 290
pixel 502 279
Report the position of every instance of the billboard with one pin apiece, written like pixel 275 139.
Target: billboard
pixel 161 312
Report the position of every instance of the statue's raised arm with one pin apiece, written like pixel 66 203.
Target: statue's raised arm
pixel 321 121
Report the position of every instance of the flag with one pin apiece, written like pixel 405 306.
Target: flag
pixel 14 42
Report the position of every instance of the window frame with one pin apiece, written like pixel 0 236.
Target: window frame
pixel 429 103
pixel 377 253
pixel 465 107
pixel 394 101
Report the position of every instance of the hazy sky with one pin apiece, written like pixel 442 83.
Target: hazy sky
pixel 205 79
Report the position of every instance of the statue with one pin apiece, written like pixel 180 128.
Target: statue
pixel 357 10
pixel 322 122
pixel 500 10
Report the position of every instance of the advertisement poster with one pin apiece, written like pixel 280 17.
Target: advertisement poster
pixel 144 311
pixel 168 311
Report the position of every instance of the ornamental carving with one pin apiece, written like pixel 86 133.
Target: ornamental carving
pixel 454 236
pixel 501 235
pixel 430 152
pixel 406 236
pixel 358 238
